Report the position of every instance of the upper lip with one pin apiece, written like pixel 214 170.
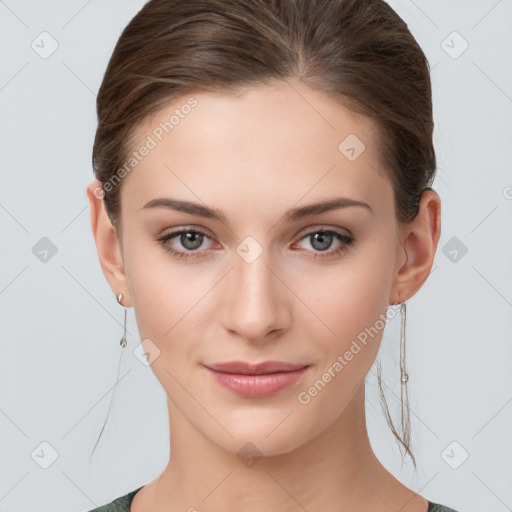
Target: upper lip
pixel 255 368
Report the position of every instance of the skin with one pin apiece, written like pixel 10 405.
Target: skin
pixel 255 155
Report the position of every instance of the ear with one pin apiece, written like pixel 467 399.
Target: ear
pixel 108 244
pixel 418 244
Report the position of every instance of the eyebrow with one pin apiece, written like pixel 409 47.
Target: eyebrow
pixel 292 215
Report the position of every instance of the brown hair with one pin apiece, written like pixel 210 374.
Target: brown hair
pixel 359 52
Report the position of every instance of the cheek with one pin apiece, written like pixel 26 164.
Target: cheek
pixel 163 291
pixel 352 303
pixel 356 319
pixel 355 293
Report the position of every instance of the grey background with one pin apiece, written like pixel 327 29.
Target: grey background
pixel 61 325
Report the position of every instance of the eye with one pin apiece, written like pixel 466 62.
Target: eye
pixel 190 239
pixel 323 239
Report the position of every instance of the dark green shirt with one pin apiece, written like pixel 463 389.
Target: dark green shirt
pixel 122 504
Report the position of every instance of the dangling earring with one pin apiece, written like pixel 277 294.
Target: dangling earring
pixel 123 339
pixel 403 374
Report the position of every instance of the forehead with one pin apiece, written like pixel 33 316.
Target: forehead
pixel 283 138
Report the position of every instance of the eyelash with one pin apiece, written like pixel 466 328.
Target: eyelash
pixel 346 240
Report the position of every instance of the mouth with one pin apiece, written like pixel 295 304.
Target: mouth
pixel 256 380
pixel 241 367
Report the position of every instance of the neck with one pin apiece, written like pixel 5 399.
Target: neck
pixel 336 470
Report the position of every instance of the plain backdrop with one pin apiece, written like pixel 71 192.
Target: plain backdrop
pixel 61 325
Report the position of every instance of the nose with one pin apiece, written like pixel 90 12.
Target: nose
pixel 257 305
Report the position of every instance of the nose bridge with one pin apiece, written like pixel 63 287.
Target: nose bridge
pixel 257 304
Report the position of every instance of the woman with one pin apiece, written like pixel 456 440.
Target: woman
pixel 262 196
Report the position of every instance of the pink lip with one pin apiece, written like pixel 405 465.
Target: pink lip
pixel 256 380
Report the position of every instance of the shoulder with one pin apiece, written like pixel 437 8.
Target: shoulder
pixel 436 507
pixel 121 504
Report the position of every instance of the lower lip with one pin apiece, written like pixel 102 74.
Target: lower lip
pixel 257 386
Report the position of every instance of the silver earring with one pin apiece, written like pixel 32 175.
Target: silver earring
pixel 403 374
pixel 123 339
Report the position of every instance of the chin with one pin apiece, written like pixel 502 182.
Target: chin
pixel 255 439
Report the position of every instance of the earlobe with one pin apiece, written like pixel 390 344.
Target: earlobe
pixel 107 242
pixel 420 239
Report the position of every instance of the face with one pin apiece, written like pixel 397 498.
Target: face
pixel 248 274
